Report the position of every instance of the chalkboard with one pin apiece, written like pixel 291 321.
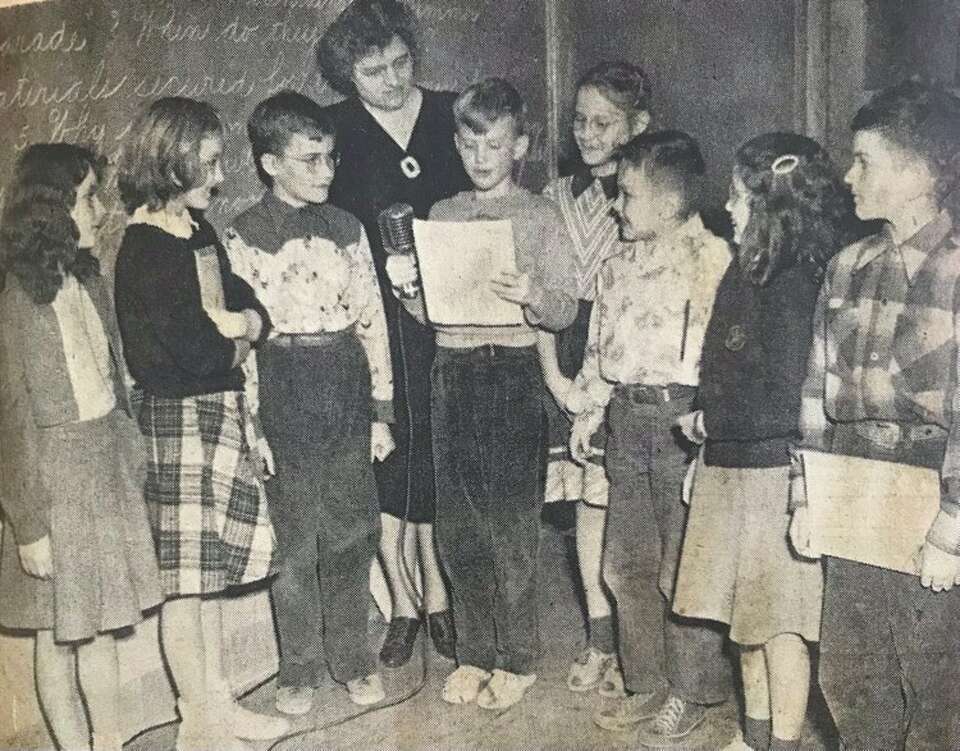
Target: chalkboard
pixel 81 70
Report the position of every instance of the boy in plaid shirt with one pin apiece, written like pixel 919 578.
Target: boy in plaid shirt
pixel 882 384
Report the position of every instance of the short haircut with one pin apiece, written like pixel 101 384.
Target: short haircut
pixel 624 84
pixel 364 26
pixel 281 116
pixel 483 103
pixel 38 237
pixel 923 119
pixel 160 159
pixel 672 159
pixel 801 213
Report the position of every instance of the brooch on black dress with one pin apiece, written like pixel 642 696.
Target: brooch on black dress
pixel 410 167
pixel 736 338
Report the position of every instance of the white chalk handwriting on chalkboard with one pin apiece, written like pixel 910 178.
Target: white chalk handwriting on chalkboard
pixel 59 40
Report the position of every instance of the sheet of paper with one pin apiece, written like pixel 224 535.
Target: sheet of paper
pixel 457 260
pixel 869 511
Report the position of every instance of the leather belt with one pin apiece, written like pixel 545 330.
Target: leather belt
pixel 892 434
pixel 321 339
pixel 641 393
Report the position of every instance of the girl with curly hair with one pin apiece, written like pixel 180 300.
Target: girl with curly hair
pixel 790 214
pixel 76 563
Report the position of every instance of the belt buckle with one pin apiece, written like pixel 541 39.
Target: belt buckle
pixel 884 434
pixel 664 393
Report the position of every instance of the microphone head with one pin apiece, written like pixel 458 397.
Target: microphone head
pixel 396 228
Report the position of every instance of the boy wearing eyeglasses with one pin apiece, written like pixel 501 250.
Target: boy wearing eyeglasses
pixel 323 396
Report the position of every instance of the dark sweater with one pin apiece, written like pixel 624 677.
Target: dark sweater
pixel 172 347
pixel 753 366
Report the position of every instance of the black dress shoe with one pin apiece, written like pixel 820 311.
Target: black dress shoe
pixel 442 632
pixel 398 646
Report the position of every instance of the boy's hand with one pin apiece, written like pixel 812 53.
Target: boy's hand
pixel 230 325
pixel 514 287
pixel 584 426
pixel 36 558
pixel 939 571
pixel 691 425
pixel 381 441
pixel 402 270
pixel 800 533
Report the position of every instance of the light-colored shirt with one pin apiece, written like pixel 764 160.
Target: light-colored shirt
pixel 87 350
pixel 652 308
pixel 313 271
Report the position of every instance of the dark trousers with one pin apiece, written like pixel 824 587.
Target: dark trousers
pixel 890 648
pixel 315 409
pixel 487 438
pixel 645 521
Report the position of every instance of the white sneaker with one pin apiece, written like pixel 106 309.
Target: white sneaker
pixel 463 684
pixel 294 700
pixel 505 689
pixel 366 690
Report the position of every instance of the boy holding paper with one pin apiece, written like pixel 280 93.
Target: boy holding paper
pixel 487 409
pixel 882 384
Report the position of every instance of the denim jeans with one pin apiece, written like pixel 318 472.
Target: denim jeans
pixel 890 648
pixel 315 408
pixel 645 521
pixel 487 439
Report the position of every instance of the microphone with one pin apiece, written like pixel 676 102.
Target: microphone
pixel 396 232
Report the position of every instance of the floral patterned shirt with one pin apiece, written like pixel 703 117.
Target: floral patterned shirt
pixel 312 270
pixel 651 312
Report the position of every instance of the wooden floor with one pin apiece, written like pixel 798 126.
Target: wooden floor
pixel 551 717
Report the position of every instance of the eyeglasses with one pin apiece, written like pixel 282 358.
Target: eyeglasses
pixel 581 123
pixel 315 161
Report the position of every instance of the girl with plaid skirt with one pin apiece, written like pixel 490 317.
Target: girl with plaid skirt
pixel 187 324
pixel 75 564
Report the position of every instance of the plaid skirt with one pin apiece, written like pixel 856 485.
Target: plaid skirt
pixel 204 493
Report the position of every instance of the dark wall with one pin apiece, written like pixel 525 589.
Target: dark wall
pixel 723 70
pixel 81 70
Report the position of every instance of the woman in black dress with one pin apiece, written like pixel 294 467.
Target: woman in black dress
pixel 396 145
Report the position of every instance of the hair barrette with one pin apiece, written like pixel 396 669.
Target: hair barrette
pixel 784 165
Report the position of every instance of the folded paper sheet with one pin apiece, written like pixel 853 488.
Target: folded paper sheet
pixel 869 511
pixel 457 261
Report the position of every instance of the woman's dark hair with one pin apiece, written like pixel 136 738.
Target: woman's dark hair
pixel 38 237
pixel 161 158
pixel 364 26
pixel 800 211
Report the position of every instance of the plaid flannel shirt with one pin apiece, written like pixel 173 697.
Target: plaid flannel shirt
pixel 885 346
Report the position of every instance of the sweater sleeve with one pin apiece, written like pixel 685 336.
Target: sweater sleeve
pixel 170 294
pixel 813 417
pixel 25 502
pixel 240 295
pixel 554 276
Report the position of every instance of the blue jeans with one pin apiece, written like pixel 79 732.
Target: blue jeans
pixel 645 521
pixel 487 439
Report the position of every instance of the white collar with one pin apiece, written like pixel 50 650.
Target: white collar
pixel 178 225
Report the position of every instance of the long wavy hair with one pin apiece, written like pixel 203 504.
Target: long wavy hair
pixel 800 210
pixel 38 237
